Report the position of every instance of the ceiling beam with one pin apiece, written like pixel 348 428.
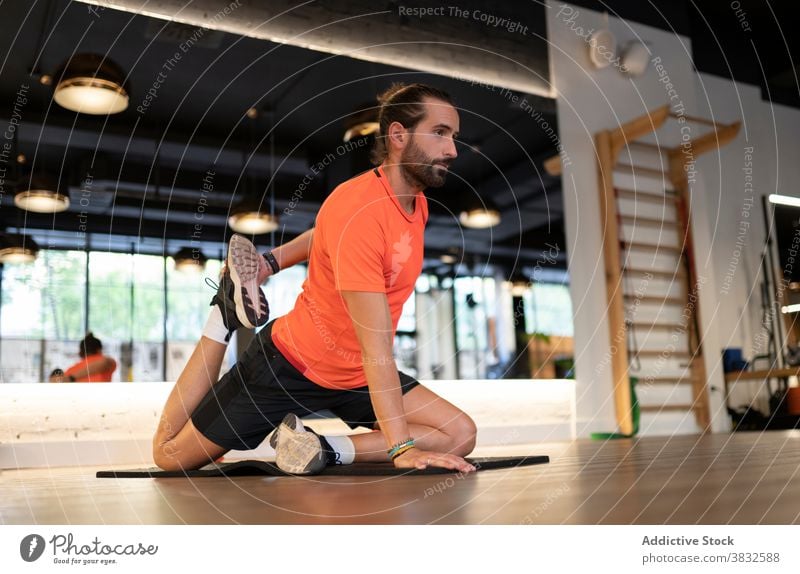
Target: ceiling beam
pixel 381 32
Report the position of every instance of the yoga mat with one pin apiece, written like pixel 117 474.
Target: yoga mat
pixel 264 468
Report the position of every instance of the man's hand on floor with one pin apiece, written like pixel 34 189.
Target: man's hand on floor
pixel 422 459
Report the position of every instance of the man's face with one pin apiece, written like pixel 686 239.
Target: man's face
pixel 431 146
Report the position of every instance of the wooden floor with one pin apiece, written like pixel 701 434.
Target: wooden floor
pixel 743 478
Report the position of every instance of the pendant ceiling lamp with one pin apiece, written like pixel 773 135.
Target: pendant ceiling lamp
pixel 519 284
pixel 17 248
pixel 362 122
pixel 480 214
pixel 40 194
pixel 248 217
pixel 190 260
pixel 91 84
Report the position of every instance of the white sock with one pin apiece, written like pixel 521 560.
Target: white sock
pixel 215 328
pixel 343 446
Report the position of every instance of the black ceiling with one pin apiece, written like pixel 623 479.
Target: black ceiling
pixel 147 168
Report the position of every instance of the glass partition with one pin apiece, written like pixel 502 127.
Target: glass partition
pixel 468 327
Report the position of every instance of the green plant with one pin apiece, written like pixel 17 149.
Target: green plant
pixel 538 336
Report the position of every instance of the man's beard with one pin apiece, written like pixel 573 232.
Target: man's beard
pixel 420 170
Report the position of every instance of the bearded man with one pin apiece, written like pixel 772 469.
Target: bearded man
pixel 334 349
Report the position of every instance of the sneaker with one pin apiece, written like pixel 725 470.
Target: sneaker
pixel 224 298
pixel 244 266
pixel 300 450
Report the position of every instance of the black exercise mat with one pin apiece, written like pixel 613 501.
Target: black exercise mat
pixel 264 468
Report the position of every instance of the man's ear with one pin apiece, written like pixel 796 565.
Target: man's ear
pixel 398 134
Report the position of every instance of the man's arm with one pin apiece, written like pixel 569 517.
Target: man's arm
pixel 290 253
pixel 373 325
pixel 83 370
pixel 372 321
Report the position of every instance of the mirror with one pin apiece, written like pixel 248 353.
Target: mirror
pixel 241 118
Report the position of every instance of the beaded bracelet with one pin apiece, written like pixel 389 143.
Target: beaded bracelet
pixel 393 452
pixel 270 258
pixel 402 450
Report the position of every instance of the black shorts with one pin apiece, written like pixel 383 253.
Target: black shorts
pixel 251 399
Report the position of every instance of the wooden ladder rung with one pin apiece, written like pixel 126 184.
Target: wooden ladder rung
pixel 696 120
pixel 648 146
pixel 670 408
pixel 660 326
pixel 665 352
pixel 666 381
pixel 648 221
pixel 650 196
pixel 650 247
pixel 636 170
pixel 656 300
pixel 677 274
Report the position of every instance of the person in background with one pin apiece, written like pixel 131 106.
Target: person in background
pixel 94 366
pixel 57 376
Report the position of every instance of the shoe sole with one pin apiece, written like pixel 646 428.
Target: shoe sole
pixel 239 243
pixel 297 450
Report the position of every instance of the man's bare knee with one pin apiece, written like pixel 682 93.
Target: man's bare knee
pixel 165 455
pixel 462 432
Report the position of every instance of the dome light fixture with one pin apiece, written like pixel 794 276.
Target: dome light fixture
pixel 248 219
pixel 451 256
pixel 191 260
pixel 519 285
pixel 41 195
pixel 480 214
pixel 17 248
pixel 361 130
pixel 247 216
pixel 480 218
pixel 447 258
pixel 253 223
pixel 91 84
pixel 362 122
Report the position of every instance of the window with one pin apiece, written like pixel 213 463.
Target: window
pixel 43 315
pixel 42 303
pixel 126 312
pixel 472 309
pixel 408 318
pixel 188 305
pixel 44 307
pixel 188 300
pixel 148 298
pixel 45 298
pixel 282 290
pixel 110 312
pixel 548 310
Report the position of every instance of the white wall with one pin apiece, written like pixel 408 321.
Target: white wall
pixel 772 133
pixel 590 100
pixel 769 136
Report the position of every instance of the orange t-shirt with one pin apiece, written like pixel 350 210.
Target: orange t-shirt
pixel 363 241
pixel 101 377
